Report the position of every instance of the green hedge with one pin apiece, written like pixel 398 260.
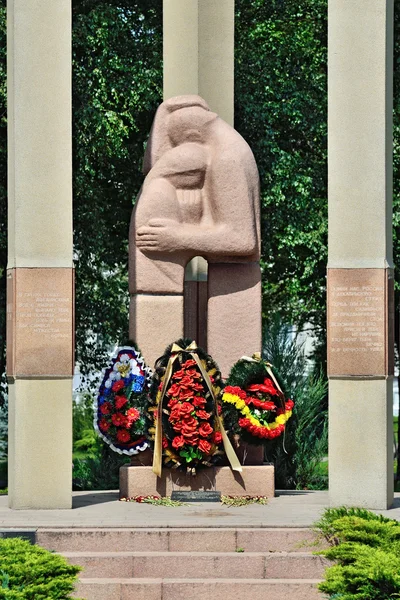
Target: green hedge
pixel 366 548
pixel 32 573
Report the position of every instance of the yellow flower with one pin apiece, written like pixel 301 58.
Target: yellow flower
pixel 280 419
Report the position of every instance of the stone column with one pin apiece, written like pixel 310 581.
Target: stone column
pixel 360 267
pixel 40 273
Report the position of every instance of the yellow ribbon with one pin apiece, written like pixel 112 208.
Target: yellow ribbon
pixel 157 457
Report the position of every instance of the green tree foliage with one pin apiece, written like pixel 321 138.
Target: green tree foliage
pixel 117 85
pixel 281 110
pixel 32 573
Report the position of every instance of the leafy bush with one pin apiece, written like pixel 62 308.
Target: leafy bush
pixel 96 466
pixel 367 549
pixel 32 573
pixel 306 438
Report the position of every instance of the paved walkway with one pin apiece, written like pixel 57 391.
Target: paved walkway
pixel 103 509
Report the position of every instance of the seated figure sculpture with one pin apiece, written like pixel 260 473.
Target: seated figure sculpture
pixel 200 198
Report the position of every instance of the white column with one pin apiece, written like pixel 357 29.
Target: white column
pixel 360 276
pixel 40 273
pixel 199 52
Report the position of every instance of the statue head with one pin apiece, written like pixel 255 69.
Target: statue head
pixel 179 120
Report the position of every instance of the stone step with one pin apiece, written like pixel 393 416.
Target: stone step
pixel 232 565
pixel 193 589
pixel 180 540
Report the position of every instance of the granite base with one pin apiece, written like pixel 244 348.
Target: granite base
pixel 253 481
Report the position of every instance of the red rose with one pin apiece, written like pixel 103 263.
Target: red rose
pixel 123 436
pixel 193 373
pixel 199 402
pixel 133 414
pixel 172 402
pixel 178 442
pixel 104 425
pixel 186 382
pixel 205 430
pixel 186 395
pixel 186 408
pixel 105 408
pixel 118 385
pixel 164 443
pixel 197 387
pixel 178 426
pixel 191 438
pixel 175 413
pixel 119 420
pixel 217 437
pixel 189 420
pixel 204 446
pixel 173 390
pixel 179 374
pixel 219 409
pixel 120 402
pixel 188 428
pixel 202 414
pixel 189 363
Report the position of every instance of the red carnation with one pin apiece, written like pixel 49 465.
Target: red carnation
pixel 217 437
pixel 118 385
pixel 105 408
pixel 120 402
pixel 205 430
pixel 119 420
pixel 203 415
pixel 204 446
pixel 289 405
pixel 104 425
pixel 123 436
pixel 133 414
pixel 178 442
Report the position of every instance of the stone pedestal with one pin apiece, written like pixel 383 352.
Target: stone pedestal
pixel 253 481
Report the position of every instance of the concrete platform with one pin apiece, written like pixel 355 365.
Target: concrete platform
pixel 103 509
pixel 253 481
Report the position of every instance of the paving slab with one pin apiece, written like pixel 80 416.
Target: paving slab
pixel 103 509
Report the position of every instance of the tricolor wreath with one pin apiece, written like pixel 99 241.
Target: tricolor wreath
pixel 120 417
pixel 186 427
pixel 254 404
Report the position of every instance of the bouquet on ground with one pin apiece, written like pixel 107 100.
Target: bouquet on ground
pixel 254 405
pixel 186 426
pixel 120 416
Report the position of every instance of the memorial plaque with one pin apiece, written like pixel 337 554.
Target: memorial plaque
pixel 360 328
pixel 196 496
pixel 40 339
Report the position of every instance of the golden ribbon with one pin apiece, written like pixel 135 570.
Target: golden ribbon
pixel 157 457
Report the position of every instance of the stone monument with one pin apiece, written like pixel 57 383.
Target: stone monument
pixel 200 198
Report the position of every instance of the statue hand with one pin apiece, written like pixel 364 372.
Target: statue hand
pixel 160 235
